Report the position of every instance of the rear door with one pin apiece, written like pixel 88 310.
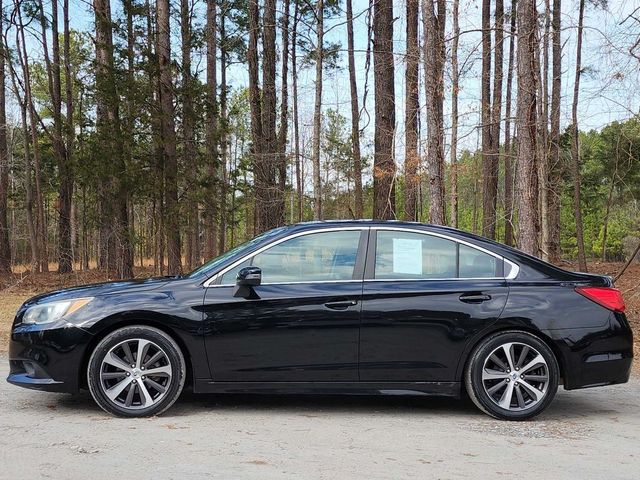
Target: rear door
pixel 424 296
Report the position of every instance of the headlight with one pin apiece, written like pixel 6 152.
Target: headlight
pixel 52 311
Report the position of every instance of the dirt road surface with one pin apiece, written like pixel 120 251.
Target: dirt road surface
pixel 588 434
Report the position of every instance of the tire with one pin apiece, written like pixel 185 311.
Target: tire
pixel 512 388
pixel 123 384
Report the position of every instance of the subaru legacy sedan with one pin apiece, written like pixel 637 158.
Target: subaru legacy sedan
pixel 356 307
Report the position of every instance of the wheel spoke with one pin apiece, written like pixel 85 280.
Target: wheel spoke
pixel 128 356
pixel 115 361
pixel 143 346
pixel 489 374
pixel 155 385
pixel 508 351
pixel 165 370
pixel 146 396
pixel 156 356
pixel 494 358
pixel 129 400
pixel 505 400
pixel 519 396
pixel 496 387
pixel 117 389
pixel 538 360
pixel 533 391
pixel 523 355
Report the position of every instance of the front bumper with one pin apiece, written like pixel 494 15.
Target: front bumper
pixel 47 357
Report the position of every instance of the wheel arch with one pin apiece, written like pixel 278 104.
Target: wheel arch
pixel 114 323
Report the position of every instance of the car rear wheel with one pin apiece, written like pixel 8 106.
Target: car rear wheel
pixel 136 371
pixel 512 376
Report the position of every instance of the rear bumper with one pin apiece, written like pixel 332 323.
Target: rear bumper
pixel 48 358
pixel 596 356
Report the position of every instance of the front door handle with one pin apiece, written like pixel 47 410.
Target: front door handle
pixel 474 297
pixel 341 305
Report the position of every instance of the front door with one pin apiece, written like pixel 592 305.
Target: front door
pixel 303 323
pixel 424 296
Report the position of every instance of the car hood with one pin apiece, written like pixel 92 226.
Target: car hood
pixel 102 289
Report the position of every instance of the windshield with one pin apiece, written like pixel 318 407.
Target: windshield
pixel 212 265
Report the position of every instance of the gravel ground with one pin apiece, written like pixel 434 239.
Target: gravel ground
pixel 588 434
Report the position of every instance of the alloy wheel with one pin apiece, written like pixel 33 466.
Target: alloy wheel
pixel 515 376
pixel 135 374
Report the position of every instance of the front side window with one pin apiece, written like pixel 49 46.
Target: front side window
pixel 407 255
pixel 322 256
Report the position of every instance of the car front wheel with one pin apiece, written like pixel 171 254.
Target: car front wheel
pixel 136 371
pixel 512 376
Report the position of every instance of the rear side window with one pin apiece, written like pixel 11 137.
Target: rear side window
pixel 407 255
pixel 476 264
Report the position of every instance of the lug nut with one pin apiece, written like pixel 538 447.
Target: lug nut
pixel 516 384
pixel 143 377
pixel 508 380
pixel 133 366
pixel 141 368
pixel 128 374
pixel 135 381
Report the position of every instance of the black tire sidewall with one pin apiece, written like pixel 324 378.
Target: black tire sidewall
pixel 474 375
pixel 155 335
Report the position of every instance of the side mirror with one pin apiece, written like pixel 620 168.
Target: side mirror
pixel 247 278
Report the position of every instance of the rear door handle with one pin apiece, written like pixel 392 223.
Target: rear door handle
pixel 474 297
pixel 341 305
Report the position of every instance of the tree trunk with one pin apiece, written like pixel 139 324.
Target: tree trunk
pixel 489 160
pixel 575 147
pixel 222 230
pixel 5 249
pixel 296 121
pixel 453 214
pixel 555 168
pixel 355 116
pixel 284 111
pixel 526 122
pixel 65 191
pixel 211 129
pixel 172 225
pixel 40 224
pixel 496 112
pixel 543 137
pixel 65 227
pixel 189 150
pixel 384 168
pixel 412 112
pixel 434 17
pixel 271 205
pixel 317 112
pixel 114 195
pixel 508 149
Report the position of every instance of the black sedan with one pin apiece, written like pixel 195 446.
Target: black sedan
pixel 357 307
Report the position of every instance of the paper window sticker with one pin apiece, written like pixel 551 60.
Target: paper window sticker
pixel 407 256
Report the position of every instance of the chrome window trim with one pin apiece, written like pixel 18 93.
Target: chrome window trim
pixel 212 279
pixel 513 273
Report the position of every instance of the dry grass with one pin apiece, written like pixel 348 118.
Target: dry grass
pixel 15 289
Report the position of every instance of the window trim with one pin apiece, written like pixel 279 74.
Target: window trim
pixel 371 254
pixel 362 248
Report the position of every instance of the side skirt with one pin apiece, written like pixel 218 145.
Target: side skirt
pixel 446 389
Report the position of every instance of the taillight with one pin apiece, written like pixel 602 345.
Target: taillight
pixel 610 298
